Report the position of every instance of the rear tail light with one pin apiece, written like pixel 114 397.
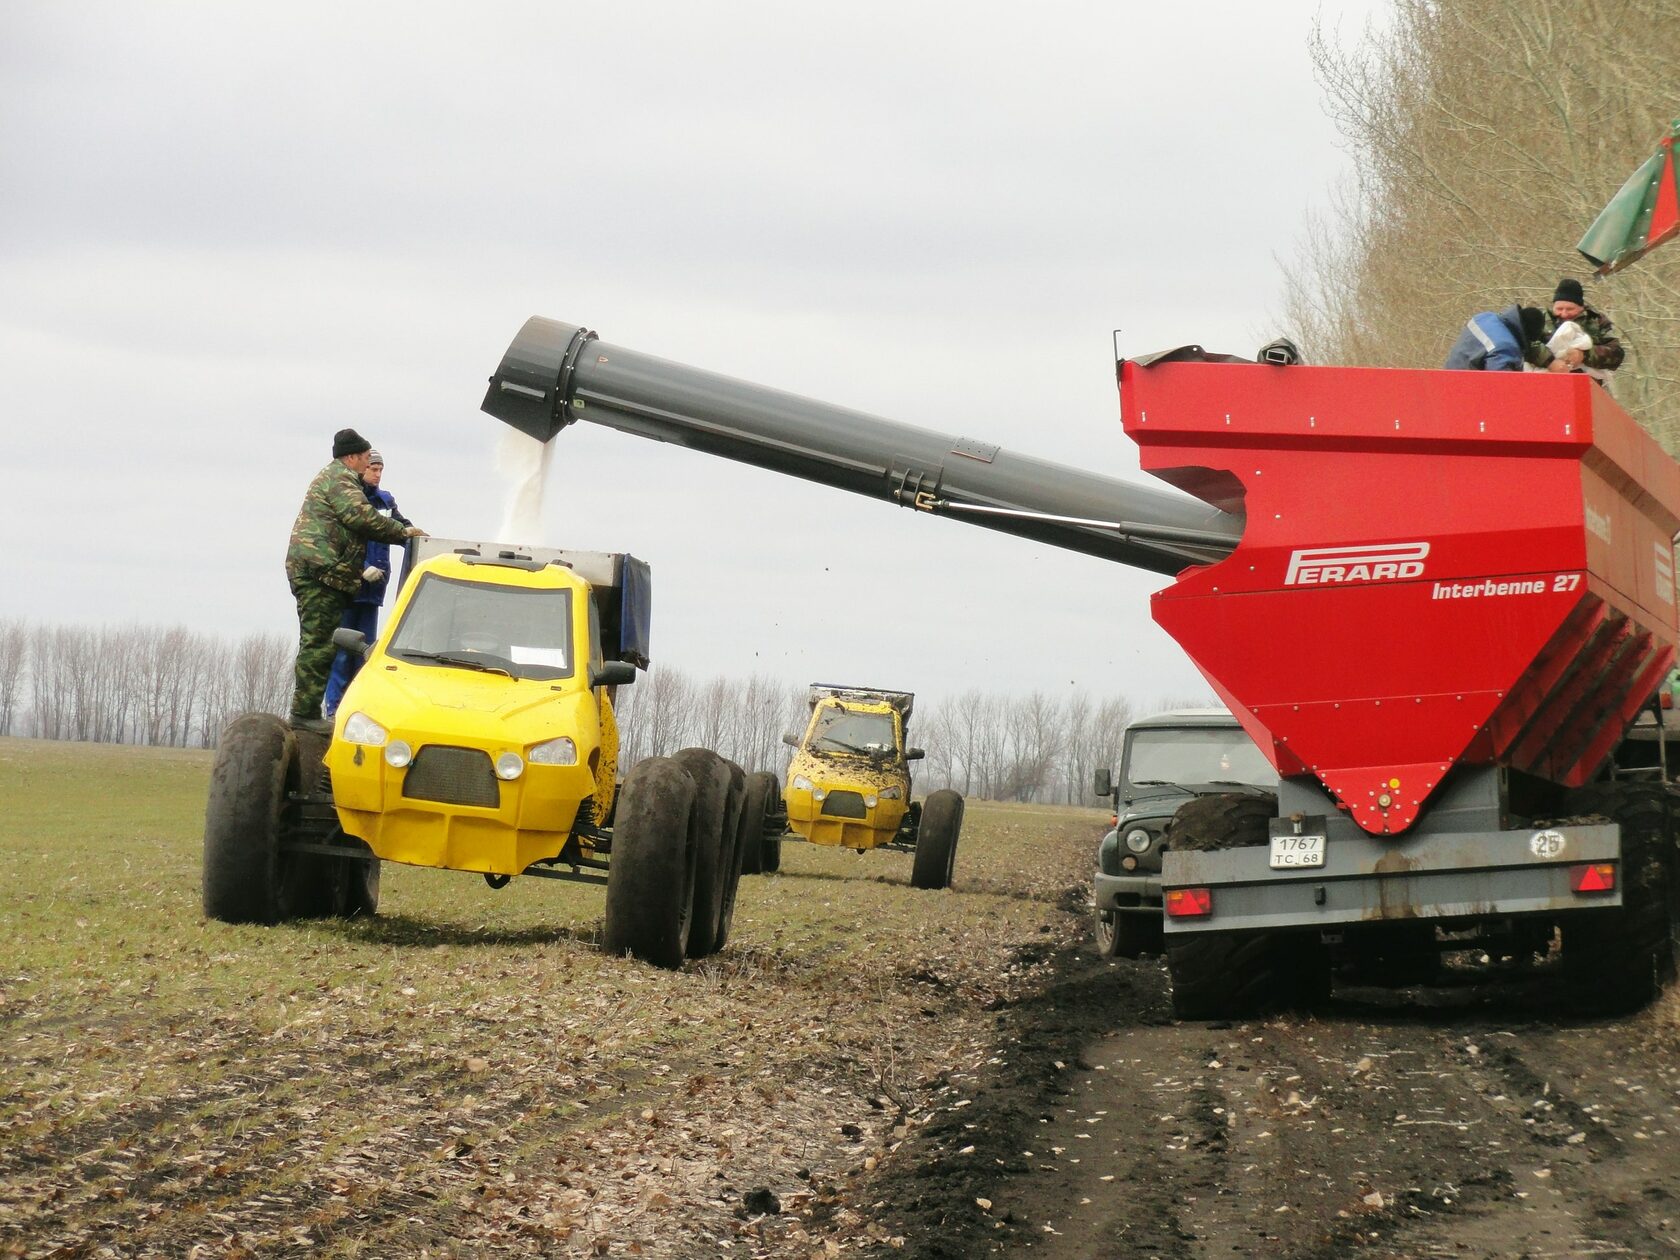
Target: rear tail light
pixel 1593 877
pixel 1189 903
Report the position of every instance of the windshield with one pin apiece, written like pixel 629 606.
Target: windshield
pixel 843 730
pixel 1196 755
pixel 476 625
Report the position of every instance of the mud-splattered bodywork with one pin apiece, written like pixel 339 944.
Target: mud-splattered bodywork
pixel 848 784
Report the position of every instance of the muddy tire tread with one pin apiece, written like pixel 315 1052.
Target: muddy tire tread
pixel 936 840
pixel 650 883
pixel 242 820
pixel 1233 975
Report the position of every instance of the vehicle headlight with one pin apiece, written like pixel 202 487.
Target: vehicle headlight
pixel 509 765
pixel 870 800
pixel 1137 840
pixel 359 728
pixel 801 783
pixel 398 754
pixel 556 752
pixel 894 793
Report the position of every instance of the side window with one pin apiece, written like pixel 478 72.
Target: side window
pixel 594 632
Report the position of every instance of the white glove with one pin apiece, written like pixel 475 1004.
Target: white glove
pixel 372 573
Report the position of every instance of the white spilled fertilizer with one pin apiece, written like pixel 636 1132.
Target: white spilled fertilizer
pixel 523 462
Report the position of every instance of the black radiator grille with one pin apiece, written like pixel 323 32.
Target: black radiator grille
pixel 844 805
pixel 455 776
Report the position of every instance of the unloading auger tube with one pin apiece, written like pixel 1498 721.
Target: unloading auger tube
pixel 554 374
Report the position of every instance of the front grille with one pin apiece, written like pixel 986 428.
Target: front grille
pixel 844 805
pixel 455 776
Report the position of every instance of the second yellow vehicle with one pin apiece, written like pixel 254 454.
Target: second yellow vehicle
pixel 848 786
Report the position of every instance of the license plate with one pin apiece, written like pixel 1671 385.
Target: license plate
pixel 1290 852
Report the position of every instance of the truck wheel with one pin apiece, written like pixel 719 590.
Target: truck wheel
pixel 711 810
pixel 312 885
pixel 1230 975
pixel 775 827
pixel 1123 935
pixel 650 883
pixel 242 820
pixel 361 895
pixel 760 795
pixel 346 887
pixel 1617 960
pixel 733 842
pixel 936 840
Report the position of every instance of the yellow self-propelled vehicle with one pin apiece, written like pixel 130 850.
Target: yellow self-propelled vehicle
pixel 848 785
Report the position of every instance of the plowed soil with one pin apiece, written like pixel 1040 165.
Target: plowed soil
pixel 866 1069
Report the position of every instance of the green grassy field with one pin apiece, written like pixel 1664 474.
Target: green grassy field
pixel 467 1072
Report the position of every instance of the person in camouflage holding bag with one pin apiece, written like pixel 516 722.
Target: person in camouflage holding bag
pixel 324 563
pixel 1569 305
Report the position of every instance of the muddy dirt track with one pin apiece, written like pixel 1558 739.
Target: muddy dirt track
pixel 1469 1121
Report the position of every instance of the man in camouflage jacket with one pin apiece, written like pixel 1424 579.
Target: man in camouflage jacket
pixel 1569 303
pixel 324 564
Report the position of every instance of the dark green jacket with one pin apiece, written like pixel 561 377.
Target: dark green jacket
pixel 1606 352
pixel 329 537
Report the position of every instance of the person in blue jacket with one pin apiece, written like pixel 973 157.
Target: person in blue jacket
pixel 1498 341
pixel 363 612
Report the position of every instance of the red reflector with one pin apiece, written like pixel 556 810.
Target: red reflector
pixel 1667 698
pixel 1594 877
pixel 1189 903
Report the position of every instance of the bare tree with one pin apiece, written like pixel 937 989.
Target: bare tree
pixel 1033 735
pixel 761 725
pixel 1108 731
pixel 936 735
pixel 659 718
pixel 1076 763
pixel 215 690
pixel 714 715
pixel 262 674
pixel 14 652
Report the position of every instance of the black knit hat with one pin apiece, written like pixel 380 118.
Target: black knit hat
pixel 349 442
pixel 1533 322
pixel 1570 291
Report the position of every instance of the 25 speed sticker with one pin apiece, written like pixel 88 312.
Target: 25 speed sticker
pixel 1547 844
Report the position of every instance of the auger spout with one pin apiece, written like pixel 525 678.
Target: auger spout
pixel 555 374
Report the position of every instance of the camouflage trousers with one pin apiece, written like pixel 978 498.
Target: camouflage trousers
pixel 320 609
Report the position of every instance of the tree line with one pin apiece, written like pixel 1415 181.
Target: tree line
pixel 136 684
pixel 1486 135
pixel 170 686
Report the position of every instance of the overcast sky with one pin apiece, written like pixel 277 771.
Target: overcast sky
pixel 228 230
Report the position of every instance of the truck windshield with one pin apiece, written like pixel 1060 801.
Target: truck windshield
pixel 1196 755
pixel 843 730
pixel 475 625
